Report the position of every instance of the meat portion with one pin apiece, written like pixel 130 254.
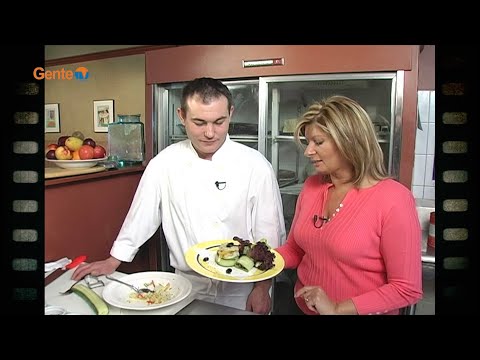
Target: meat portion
pixel 259 252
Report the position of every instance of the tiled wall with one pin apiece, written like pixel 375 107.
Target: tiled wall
pixel 423 185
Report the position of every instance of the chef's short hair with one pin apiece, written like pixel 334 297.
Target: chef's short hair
pixel 208 89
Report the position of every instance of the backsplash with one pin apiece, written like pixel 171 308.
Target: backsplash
pixel 423 182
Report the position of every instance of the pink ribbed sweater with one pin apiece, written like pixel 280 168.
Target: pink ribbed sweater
pixel 370 252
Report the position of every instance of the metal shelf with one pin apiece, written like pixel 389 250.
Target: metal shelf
pixel 178 137
pixel 291 189
pixel 244 138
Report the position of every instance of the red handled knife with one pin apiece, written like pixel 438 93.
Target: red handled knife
pixel 75 262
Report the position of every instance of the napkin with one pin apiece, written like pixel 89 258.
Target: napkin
pixel 57 264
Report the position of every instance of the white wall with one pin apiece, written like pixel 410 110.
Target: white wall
pixel 423 186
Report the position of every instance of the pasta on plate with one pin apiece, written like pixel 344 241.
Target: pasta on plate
pixel 160 294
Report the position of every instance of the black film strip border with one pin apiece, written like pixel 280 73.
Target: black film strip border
pixel 456 182
pixel 23 179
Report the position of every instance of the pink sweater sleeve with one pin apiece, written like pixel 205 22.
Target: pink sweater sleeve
pixel 400 247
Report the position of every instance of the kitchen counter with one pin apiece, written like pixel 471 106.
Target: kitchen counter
pixel 93 176
pixel 75 305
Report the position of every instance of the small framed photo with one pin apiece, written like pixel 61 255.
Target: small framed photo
pixel 102 115
pixel 52 118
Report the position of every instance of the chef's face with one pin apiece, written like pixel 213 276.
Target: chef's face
pixel 206 124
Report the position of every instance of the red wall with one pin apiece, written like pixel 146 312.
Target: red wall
pixel 225 61
pixel 84 217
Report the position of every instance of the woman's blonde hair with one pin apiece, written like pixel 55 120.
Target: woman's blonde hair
pixel 351 129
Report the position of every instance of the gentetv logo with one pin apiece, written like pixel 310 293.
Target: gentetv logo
pixel 81 73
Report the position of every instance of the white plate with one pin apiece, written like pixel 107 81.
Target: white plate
pixel 119 295
pixel 76 164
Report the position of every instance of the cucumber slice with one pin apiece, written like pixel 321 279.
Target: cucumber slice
pixel 245 263
pixel 96 302
pixel 225 262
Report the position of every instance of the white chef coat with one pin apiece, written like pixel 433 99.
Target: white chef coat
pixel 178 190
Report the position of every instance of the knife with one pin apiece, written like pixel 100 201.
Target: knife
pixel 75 262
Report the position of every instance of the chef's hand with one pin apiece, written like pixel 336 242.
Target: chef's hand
pixel 103 267
pixel 259 299
pixel 317 300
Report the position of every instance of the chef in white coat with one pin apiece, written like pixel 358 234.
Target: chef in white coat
pixel 204 188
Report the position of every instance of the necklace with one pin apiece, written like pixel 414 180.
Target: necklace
pixel 335 212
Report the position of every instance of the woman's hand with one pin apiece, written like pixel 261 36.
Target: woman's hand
pixel 317 300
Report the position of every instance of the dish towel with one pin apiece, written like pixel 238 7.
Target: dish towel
pixel 57 264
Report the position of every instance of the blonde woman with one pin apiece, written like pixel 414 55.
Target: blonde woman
pixel 355 239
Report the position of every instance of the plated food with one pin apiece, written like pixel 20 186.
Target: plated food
pixel 159 294
pixel 246 255
pixel 168 289
pixel 235 260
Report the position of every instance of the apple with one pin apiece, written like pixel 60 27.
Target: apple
pixel 89 141
pixel 52 146
pixel 73 143
pixel 61 140
pixel 85 152
pixel 99 152
pixel 63 153
pixel 51 155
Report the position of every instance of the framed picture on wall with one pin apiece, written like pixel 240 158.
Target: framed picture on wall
pixel 52 118
pixel 102 115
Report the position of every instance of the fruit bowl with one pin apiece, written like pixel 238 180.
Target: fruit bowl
pixel 76 164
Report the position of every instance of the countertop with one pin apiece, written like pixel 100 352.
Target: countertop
pixel 94 176
pixel 75 305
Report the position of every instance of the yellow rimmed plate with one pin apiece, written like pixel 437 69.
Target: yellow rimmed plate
pixel 201 258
